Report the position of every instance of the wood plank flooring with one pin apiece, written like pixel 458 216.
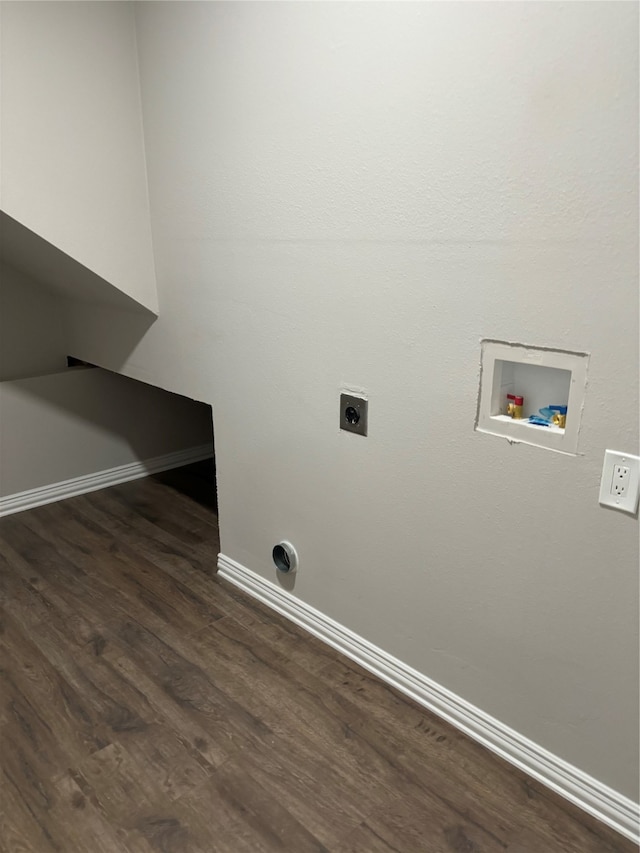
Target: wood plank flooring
pixel 146 705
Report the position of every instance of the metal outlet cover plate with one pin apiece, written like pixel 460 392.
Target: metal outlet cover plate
pixel 354 413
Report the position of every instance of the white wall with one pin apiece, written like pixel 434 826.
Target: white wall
pixel 33 327
pixel 358 193
pixel 73 168
pixel 83 421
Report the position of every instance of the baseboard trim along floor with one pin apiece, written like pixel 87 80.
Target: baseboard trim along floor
pixel 612 808
pixel 101 479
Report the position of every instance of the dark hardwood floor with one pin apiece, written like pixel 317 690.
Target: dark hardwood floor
pixel 148 706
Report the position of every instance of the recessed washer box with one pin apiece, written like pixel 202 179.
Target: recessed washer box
pixel 543 377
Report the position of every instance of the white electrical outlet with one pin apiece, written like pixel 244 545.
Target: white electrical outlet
pixel 620 482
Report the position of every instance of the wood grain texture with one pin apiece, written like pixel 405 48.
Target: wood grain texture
pixel 148 707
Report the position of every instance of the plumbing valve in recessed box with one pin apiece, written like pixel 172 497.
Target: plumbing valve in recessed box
pixel 514 406
pixel 556 415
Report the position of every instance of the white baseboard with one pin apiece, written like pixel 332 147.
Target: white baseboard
pixel 100 480
pixel 612 808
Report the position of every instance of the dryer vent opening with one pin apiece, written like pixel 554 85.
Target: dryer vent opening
pixel 285 558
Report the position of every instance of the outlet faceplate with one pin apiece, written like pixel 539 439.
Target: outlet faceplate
pixel 620 482
pixel 354 413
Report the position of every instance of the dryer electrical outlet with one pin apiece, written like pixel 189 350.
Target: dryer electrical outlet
pixel 354 412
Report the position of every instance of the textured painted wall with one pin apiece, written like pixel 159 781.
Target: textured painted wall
pixel 33 327
pixel 73 168
pixel 357 193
